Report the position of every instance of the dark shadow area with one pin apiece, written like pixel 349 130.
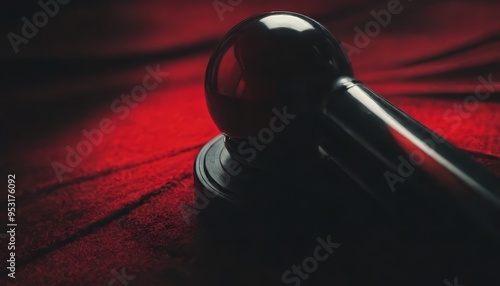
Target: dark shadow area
pixel 425 243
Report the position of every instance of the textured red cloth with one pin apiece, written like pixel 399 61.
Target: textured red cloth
pixel 119 208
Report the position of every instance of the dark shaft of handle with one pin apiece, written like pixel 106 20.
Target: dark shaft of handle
pixel 384 150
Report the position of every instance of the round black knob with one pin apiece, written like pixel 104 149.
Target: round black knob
pixel 268 62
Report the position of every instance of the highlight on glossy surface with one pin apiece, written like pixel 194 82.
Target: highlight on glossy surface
pixel 266 62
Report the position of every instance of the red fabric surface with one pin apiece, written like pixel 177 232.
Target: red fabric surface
pixel 120 206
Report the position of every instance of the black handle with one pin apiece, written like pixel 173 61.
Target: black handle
pixel 390 153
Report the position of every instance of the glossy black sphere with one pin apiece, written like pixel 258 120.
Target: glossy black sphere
pixel 268 62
